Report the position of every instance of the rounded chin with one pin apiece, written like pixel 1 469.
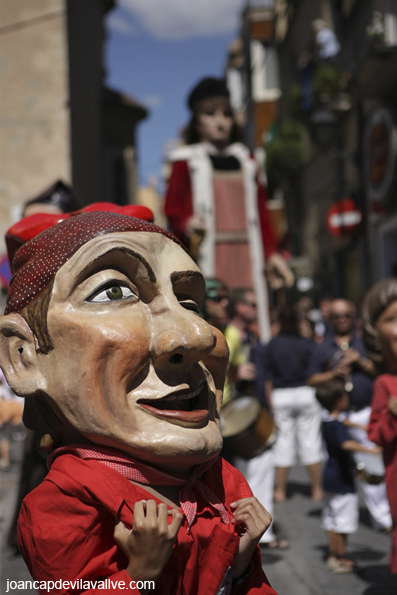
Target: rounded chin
pixel 217 447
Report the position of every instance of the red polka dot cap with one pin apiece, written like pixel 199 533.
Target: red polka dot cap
pixel 36 262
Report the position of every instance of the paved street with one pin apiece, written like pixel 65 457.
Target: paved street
pixel 300 570
pixel 11 567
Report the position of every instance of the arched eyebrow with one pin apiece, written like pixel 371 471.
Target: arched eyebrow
pixel 178 276
pixel 96 262
pixel 188 285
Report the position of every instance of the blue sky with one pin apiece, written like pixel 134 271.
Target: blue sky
pixel 156 51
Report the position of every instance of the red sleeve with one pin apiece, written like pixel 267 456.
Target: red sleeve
pixel 178 199
pixel 56 548
pixel 268 235
pixel 382 427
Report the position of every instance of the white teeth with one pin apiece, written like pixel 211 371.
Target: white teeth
pixel 184 396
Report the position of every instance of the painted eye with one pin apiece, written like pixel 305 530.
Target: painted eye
pixel 190 305
pixel 111 293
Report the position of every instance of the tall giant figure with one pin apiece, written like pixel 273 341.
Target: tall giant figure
pixel 123 384
pixel 216 199
pixel 380 335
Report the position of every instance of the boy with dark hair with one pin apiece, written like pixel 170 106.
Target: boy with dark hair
pixel 340 508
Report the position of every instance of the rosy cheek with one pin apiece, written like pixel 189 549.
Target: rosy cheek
pixel 126 354
pixel 389 333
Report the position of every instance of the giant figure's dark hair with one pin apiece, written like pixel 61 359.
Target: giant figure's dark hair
pixel 376 301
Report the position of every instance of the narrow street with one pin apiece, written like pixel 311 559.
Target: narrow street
pixel 299 570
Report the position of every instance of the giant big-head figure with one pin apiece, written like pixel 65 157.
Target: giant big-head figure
pixel 103 337
pixel 380 324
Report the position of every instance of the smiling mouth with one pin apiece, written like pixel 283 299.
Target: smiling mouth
pixel 191 407
pixel 177 404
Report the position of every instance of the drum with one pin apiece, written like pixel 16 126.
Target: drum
pixel 247 428
pixel 369 467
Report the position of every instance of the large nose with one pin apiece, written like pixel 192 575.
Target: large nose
pixel 180 338
pixel 221 120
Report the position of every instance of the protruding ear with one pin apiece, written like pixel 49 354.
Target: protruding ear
pixel 19 359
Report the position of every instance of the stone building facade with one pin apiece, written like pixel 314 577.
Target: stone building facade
pixel 57 121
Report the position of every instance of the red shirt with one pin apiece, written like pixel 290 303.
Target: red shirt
pixel 66 531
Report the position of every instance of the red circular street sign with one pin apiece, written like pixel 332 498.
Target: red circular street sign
pixel 344 218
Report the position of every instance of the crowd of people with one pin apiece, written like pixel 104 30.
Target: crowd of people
pixel 216 201
pixel 317 382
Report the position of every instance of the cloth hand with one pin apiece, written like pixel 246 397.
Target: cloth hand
pixel 278 272
pixel 254 519
pixel 195 224
pixel 148 545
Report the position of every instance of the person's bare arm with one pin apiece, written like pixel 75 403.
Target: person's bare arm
pixel 341 370
pixel 268 393
pixel 367 365
pixel 352 356
pixel 350 424
pixel 392 405
pixel 148 545
pixel 320 377
pixel 354 446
